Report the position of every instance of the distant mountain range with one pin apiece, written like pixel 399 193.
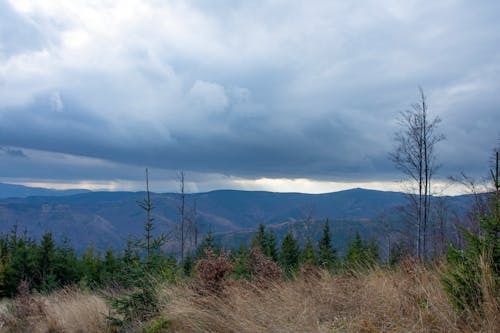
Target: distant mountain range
pixel 109 218
pixel 20 191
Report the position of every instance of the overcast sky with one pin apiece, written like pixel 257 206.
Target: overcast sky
pixel 275 95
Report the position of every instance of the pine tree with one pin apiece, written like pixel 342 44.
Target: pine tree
pixel 45 263
pixel 91 267
pixel 111 267
pixel 289 258
pixel 150 244
pixel 131 268
pixel 66 265
pixel 354 250
pixel 208 242
pixel 361 253
pixel 2 275
pixel 271 249
pixel 188 265
pixel 241 269
pixel 465 281
pixel 259 240
pixel 22 266
pixel 309 254
pixel 327 254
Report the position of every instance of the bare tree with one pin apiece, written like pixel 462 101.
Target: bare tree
pixel 150 243
pixel 415 156
pixel 194 225
pixel 181 214
pixel 148 226
pixel 440 233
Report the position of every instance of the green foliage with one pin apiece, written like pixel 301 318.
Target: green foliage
pixel 66 266
pixel 326 254
pixel 21 263
pixel 308 255
pixel 91 268
pixel 360 253
pixel 289 258
pixel 241 267
pixel 271 246
pixel 188 265
pixel 158 325
pixel 259 240
pixel 138 305
pixel 45 262
pixel 470 268
pixel 2 275
pixel 207 243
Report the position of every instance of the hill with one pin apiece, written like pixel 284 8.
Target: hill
pixel 107 219
pixel 20 191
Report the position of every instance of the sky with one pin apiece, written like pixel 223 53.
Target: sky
pixel 289 96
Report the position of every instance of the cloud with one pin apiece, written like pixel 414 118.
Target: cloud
pixel 278 90
pixel 56 102
pixel 16 153
pixel 208 96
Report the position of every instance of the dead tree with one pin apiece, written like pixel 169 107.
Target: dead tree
pixel 148 226
pixel 415 156
pixel 150 243
pixel 182 215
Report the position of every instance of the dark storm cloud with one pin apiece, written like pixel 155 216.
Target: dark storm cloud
pixel 271 90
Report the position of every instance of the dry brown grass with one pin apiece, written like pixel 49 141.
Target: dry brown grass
pixel 408 300
pixel 68 310
pixel 71 310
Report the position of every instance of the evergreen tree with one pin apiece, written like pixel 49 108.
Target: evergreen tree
pixel 66 265
pixel 259 240
pixel 22 266
pixel 361 253
pixel 150 244
pixel 271 247
pixel 355 250
pixel 309 253
pixel 327 254
pixel 110 267
pixel 91 267
pixel 208 242
pixel 241 269
pixel 131 268
pixel 289 258
pixel 188 265
pixel 469 268
pixel 2 275
pixel 45 263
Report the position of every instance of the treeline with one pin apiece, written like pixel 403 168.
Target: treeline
pixel 46 265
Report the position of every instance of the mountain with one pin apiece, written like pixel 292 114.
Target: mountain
pixel 20 191
pixel 110 218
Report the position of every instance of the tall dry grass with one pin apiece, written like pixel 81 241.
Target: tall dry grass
pixel 68 310
pixel 408 300
pixel 71 310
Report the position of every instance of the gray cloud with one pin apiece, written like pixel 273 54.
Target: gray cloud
pixel 289 90
pixel 16 153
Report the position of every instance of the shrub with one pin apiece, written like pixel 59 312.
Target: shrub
pixel 472 277
pixel 212 272
pixel 263 268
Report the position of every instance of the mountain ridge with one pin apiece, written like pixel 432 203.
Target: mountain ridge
pixel 108 218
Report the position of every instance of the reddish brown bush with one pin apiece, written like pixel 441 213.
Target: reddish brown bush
pixel 263 268
pixel 212 272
